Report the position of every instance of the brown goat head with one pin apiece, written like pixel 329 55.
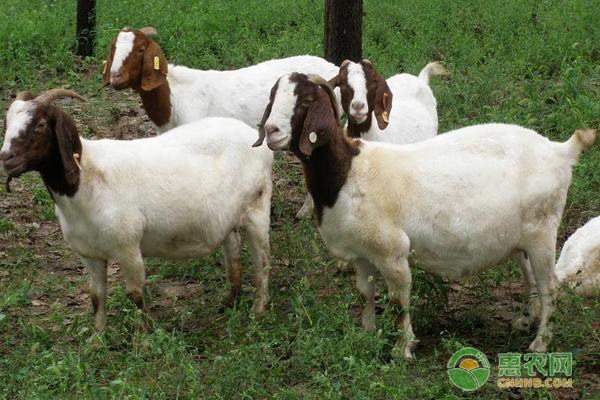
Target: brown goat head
pixel 300 116
pixel 135 61
pixel 364 91
pixel 41 137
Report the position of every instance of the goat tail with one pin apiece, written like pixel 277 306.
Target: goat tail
pixel 581 140
pixel 432 69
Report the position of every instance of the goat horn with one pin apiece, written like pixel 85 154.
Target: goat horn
pixel 149 31
pixel 49 95
pixel 319 80
pixel 24 96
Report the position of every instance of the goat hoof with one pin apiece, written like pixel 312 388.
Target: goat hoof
pixel 259 308
pixel 537 346
pixel 402 353
pixel 368 323
pixel 403 349
pixel 100 323
pixel 231 298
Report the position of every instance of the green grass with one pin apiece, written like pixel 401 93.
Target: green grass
pixel 535 63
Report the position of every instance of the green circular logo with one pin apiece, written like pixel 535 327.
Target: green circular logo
pixel 468 369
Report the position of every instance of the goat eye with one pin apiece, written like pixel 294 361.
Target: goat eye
pixel 141 50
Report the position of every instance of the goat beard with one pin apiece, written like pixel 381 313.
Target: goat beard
pixel 8 179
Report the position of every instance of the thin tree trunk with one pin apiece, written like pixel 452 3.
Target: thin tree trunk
pixel 343 30
pixel 86 27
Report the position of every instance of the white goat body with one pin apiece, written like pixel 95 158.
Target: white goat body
pixel 175 196
pixel 461 198
pixel 579 263
pixel 461 202
pixel 242 93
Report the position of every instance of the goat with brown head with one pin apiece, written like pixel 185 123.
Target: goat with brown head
pixel 301 114
pixel 302 117
pixel 135 61
pixel 41 137
pixel 364 92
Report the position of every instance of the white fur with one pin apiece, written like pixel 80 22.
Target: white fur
pixel 358 82
pixel 242 93
pixel 123 48
pixel 282 108
pixel 457 204
pixel 461 202
pixel 177 196
pixel 199 179
pixel 579 261
pixel 17 118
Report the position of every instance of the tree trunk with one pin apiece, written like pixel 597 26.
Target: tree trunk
pixel 343 30
pixel 86 27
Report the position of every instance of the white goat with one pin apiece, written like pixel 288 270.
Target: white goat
pixel 176 196
pixel 365 94
pixel 176 95
pixel 579 263
pixel 462 202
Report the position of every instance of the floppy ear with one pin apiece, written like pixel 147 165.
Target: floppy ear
pixel 69 144
pixel 106 64
pixel 154 67
pixel 383 103
pixel 261 128
pixel 320 119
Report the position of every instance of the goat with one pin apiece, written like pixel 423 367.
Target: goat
pixel 175 196
pixel 579 263
pixel 457 203
pixel 365 94
pixel 176 95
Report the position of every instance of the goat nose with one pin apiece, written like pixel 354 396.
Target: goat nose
pixel 358 105
pixel 270 129
pixel 6 156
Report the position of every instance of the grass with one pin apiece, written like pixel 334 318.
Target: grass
pixel 534 63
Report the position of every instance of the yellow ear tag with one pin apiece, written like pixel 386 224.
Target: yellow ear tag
pixel 156 63
pixel 385 117
pixel 104 67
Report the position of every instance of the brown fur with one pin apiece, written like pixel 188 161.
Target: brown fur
pixel 327 161
pixel 47 145
pixel 261 127
pixel 157 103
pixel 379 97
pixel 139 74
